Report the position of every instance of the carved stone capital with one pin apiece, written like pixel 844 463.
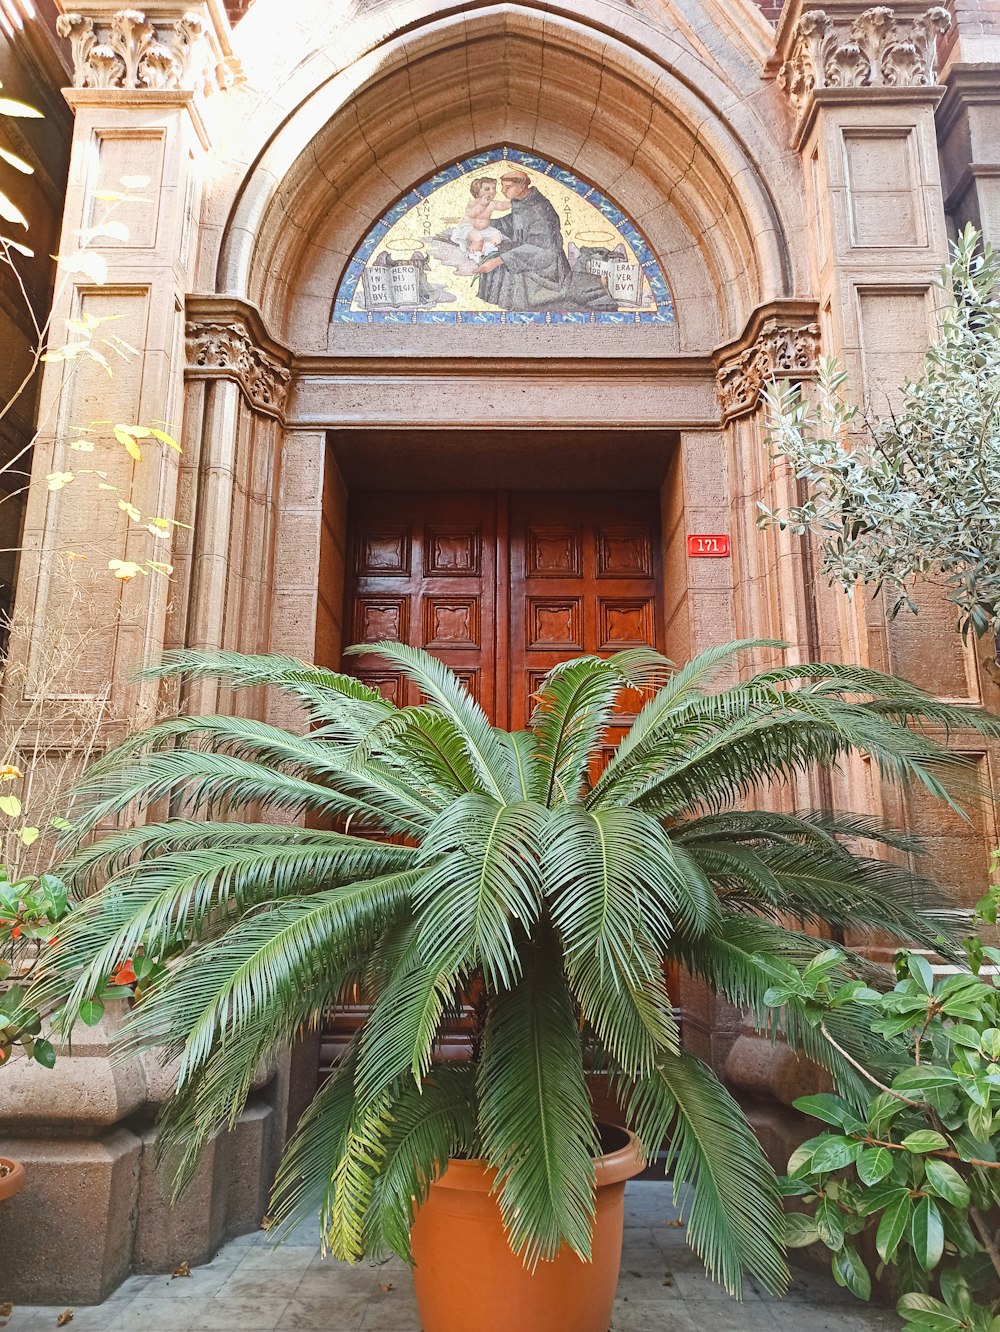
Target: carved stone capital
pixel 125 50
pixel 227 350
pixel 873 50
pixel 780 351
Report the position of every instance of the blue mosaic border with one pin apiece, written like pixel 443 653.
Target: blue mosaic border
pixel 664 313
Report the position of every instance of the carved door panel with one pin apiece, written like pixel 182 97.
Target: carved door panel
pixel 424 572
pixel 584 579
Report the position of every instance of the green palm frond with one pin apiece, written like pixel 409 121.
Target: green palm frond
pixel 115 851
pixel 573 708
pixel 255 973
pixel 399 1037
pixel 444 689
pixel 422 741
pixel 746 956
pixel 685 684
pixel 527 766
pixel 304 1184
pixel 217 783
pixel 535 1120
pixel 343 703
pixel 429 1125
pixel 342 1223
pixel 720 1172
pixel 176 898
pixel 482 886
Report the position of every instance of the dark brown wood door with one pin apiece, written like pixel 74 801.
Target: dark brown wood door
pixel 425 573
pixel 501 586
pixel 584 578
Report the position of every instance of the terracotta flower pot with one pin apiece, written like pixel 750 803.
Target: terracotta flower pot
pixel 468 1280
pixel 13 1181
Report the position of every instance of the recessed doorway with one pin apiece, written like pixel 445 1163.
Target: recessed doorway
pixel 501 585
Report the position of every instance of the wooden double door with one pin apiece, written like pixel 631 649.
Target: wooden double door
pixel 501 585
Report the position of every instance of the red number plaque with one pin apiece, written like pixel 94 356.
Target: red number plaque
pixel 708 545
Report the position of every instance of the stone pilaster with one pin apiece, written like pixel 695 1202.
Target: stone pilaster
pixel 970 144
pixel 862 87
pixel 142 88
pixel 866 98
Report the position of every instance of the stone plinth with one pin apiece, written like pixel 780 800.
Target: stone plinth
pixel 84 1132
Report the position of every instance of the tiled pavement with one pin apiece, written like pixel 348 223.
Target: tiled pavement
pixel 252 1287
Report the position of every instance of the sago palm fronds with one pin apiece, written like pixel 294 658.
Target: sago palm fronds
pixel 512 880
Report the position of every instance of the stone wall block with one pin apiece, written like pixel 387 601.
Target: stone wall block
pixel 86 1091
pixel 67 1237
pixel 190 1227
pixel 252 1148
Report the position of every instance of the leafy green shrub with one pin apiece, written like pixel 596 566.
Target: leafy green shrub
pixel 31 910
pixel 915 1166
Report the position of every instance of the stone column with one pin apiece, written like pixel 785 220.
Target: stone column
pixel 237 385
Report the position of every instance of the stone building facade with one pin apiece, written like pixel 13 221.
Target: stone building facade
pixel 356 404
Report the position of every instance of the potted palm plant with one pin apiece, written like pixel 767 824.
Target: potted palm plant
pixel 511 876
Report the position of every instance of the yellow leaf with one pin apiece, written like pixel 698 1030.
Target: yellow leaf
pixel 8 107
pixel 160 568
pixel 134 182
pixel 8 773
pixel 103 485
pixel 164 438
pixel 130 509
pixel 29 835
pixel 10 805
pixel 72 555
pixel 109 196
pixel 57 480
pixel 162 523
pixel 11 214
pixel 83 445
pixel 122 343
pixel 125 569
pixel 139 431
pixel 113 230
pixel 18 163
pixel 91 265
pixel 124 438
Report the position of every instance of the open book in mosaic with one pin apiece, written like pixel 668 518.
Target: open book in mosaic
pixel 504 237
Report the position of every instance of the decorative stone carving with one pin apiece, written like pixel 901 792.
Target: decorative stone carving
pixel 780 352
pixel 129 52
pixel 873 51
pixel 230 350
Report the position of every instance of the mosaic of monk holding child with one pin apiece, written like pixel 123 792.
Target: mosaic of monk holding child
pixel 504 237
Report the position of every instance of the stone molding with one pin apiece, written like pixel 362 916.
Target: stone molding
pixel 228 350
pixel 781 349
pixel 126 51
pixel 874 50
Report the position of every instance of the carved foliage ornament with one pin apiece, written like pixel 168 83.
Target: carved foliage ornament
pixel 230 350
pixel 874 51
pixel 780 352
pixel 129 52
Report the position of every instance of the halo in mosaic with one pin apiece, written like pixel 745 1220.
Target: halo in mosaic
pixel 504 237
